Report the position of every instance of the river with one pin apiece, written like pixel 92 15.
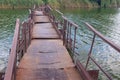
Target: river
pixel 107 21
pixel 7 25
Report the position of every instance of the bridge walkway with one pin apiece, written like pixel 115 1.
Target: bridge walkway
pixel 46 58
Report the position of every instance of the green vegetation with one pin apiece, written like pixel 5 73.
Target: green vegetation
pixel 18 3
pixel 110 3
pixel 90 3
pixel 45 1
pixel 59 3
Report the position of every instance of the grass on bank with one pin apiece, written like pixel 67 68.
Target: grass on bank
pixel 59 3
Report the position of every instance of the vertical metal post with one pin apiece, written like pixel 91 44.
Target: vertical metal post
pixel 89 54
pixel 29 30
pixel 15 64
pixel 70 37
pixel 31 14
pixel 67 31
pixel 22 38
pixel 64 32
pixel 74 40
pixel 25 35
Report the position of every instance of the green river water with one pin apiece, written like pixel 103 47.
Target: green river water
pixel 107 21
pixel 7 26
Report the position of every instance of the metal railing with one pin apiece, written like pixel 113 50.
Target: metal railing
pixel 69 34
pixel 21 40
pixel 69 40
pixel 67 31
pixel 12 62
pixel 96 33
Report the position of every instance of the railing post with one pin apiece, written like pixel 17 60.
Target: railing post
pixel 14 76
pixel 90 52
pixel 74 40
pixel 70 42
pixel 67 34
pixel 32 14
pixel 29 25
pixel 25 35
pixel 64 32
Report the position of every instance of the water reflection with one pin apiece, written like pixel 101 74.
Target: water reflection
pixel 106 21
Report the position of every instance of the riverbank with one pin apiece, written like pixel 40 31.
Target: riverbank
pixel 62 4
pixel 13 7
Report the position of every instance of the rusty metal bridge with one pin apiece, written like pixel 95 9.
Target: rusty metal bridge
pixel 41 47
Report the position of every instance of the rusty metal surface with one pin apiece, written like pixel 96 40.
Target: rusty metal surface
pixel 44 30
pixel 112 44
pixel 94 74
pixel 10 72
pixel 67 24
pixel 96 33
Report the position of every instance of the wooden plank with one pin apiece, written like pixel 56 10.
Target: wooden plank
pixel 46 54
pixel 47 60
pixel 41 19
pixel 72 73
pixel 44 30
pixel 38 13
pixel 41 74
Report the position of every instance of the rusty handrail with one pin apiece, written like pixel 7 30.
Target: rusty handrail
pixel 21 41
pixel 49 8
pixel 59 12
pixel 75 25
pixel 112 44
pixel 68 41
pixel 66 30
pixel 104 39
pixel 12 59
pixel 95 33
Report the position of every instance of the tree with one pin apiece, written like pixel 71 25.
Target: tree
pixel 99 2
pixel 45 2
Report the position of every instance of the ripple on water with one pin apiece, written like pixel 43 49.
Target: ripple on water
pixel 7 24
pixel 107 21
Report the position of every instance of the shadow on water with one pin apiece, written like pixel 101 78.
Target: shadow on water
pixel 106 21
pixel 7 25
